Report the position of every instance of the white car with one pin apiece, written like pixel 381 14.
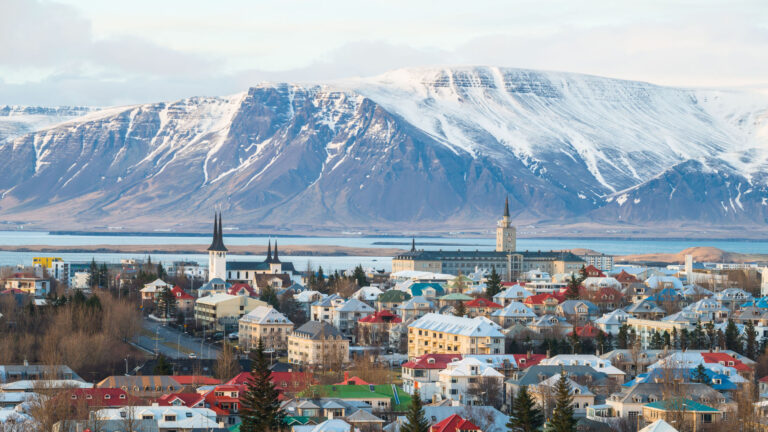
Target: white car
pixel 192 355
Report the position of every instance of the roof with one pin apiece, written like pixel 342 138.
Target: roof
pixel 217 244
pixel 482 303
pixel 317 330
pixel 393 296
pixel 539 298
pixel 265 315
pixel 587 331
pixel 236 288
pixel 726 360
pixel 658 426
pixel 363 416
pixel 180 294
pixel 527 360
pixel 455 296
pixel 479 326
pixel 680 404
pixel 196 380
pixel 432 361
pixel 216 298
pixel 454 423
pixel 382 391
pixel 418 288
pixel 186 399
pixel 383 316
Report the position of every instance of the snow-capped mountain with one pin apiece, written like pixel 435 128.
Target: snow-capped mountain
pixel 20 120
pixel 433 148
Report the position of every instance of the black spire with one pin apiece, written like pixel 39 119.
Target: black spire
pixel 413 244
pixel 217 245
pixel 506 207
pixel 269 252
pixel 276 259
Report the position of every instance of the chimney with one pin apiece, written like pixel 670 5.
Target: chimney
pixel 547 353
pixel 528 354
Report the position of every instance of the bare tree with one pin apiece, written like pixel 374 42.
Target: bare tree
pixel 486 391
pixel 226 365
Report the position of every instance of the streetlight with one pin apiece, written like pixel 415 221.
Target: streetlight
pixel 126 365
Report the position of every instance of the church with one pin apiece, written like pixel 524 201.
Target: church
pixel 506 259
pixel 272 271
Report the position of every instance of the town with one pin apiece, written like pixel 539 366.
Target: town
pixel 448 341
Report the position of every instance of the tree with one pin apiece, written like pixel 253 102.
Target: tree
pixel 601 341
pixel 415 419
pixel 562 416
pixel 709 329
pixel 161 274
pixel 493 284
pixel 699 374
pixel 93 274
pixel 666 339
pixel 697 337
pixel 656 341
pixel 575 342
pixel 525 414
pixel 226 365
pixel 684 339
pixel 162 367
pixel 166 303
pixel 623 337
pixel 260 408
pixel 269 296
pixel 751 336
pixel 460 310
pixel 359 276
pixel 572 292
pixel 732 339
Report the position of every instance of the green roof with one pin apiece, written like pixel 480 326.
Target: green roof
pixel 456 296
pixel 680 405
pixel 394 296
pixel 364 392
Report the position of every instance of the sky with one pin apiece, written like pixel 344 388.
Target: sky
pixel 115 52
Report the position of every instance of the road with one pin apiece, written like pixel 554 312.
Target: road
pixel 173 343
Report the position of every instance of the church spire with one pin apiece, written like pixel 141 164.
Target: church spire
pixel 506 206
pixel 413 244
pixel 269 252
pixel 217 244
pixel 276 259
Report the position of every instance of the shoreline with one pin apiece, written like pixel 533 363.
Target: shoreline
pixel 288 250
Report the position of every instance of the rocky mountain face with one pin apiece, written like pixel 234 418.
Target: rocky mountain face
pixel 412 149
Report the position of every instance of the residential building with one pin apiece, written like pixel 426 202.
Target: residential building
pixel 391 300
pixel 481 307
pixel 629 401
pixel 168 418
pixel 150 386
pixel 221 312
pixel 264 323
pixel 455 423
pixel 461 379
pixel 645 328
pixel 514 293
pixel 577 311
pixel 443 334
pixel 383 397
pixel 374 329
pixel 151 290
pixel 543 393
pixel 28 284
pixel 597 363
pixel 342 314
pixel 612 321
pixel 415 308
pixel 513 312
pixel 26 371
pixel 423 373
pixel 698 416
pixel 600 261
pixel 317 343
pixel 185 303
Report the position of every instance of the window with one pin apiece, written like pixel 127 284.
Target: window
pixel 706 418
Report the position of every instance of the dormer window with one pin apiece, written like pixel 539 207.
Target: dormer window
pixel 106 396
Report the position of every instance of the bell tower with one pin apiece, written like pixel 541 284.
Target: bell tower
pixel 506 234
pixel 217 252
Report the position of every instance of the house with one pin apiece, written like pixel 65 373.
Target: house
pixel 659 426
pixel 264 323
pixel 221 312
pixel 364 421
pixel 708 309
pixel 550 325
pixel 26 371
pixel 453 299
pixel 629 401
pixel 611 322
pixel 599 382
pixel 513 312
pixel 577 311
pixel 625 279
pixel 443 334
pixel 224 400
pixel 597 363
pixel 607 299
pixel 697 415
pixel 106 425
pixel 214 286
pixel 317 343
pixel 332 425
pixel 28 284
pixel 391 300
pixel 430 290
pixel 598 283
pixel 422 373
pixel 242 289
pixel 345 316
pixel 152 386
pixel 542 303
pixel 514 293
pixel 588 331
pixel 374 328
pixel 455 423
pixel 415 308
pixel 168 418
pixel 185 303
pixel 661 282
pixel 368 294
pixel 287 383
pixel 460 377
pixel 581 396
pixel 384 397
pixel 151 290
pixel 645 310
pixel 591 271
pixel 481 307
pixel 93 398
pixel 305 300
pixel 731 298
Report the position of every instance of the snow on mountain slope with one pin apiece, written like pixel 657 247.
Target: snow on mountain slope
pixel 19 120
pixel 433 147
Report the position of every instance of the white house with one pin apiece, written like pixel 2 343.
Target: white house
pixel 515 293
pixel 593 361
pixel 169 418
pixel 612 321
pixel 459 377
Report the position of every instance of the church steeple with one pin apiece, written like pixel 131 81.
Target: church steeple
pixel 269 252
pixel 506 207
pixel 217 244
pixel 275 259
pixel 413 244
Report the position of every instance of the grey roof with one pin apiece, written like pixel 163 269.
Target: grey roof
pixel 317 330
pixel 362 416
pixel 644 391
pixel 433 255
pixel 492 419
pixel 569 306
pixel 534 374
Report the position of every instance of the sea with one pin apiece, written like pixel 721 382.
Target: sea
pixel 331 263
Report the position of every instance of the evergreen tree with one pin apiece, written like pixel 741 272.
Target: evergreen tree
pixel 622 339
pixel 601 342
pixel 711 334
pixel 93 274
pixel 575 342
pixel 675 339
pixel 684 339
pixel 562 416
pixel 166 303
pixel 492 284
pixel 161 274
pixel 269 296
pixel 459 310
pixel 572 292
pixel 359 276
pixel 732 338
pixel 103 276
pixel 79 298
pixel 260 408
pixel 415 419
pixel 525 414
pixel 700 374
pixel 751 336
pixel 162 367
pixel 697 337
pixel 666 340
pixel 656 341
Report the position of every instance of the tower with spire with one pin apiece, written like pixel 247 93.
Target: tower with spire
pixel 506 234
pixel 217 252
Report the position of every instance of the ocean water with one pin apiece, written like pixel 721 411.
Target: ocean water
pixel 607 246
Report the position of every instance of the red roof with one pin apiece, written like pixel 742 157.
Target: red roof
pixel 540 298
pixel 527 360
pixel 214 401
pixel 238 287
pixel 587 331
pixel 12 291
pixel 284 381
pixel 764 379
pixel 625 277
pixel 592 271
pixel 454 423
pixel 725 359
pixel 180 294
pixel 185 399
pixel 348 380
pixel 432 361
pixel 383 316
pixel 101 397
pixel 196 380
pixel 482 303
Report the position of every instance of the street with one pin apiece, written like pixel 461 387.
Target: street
pixel 173 343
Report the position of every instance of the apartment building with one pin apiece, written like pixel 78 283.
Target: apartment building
pixel 317 343
pixel 221 312
pixel 446 334
pixel 267 324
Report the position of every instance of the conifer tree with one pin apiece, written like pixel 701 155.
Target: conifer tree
pixel 601 341
pixel 697 337
pixel 656 341
pixel 162 367
pixel 525 414
pixel 415 419
pixel 666 340
pixel 269 296
pixel 493 284
pixel 732 338
pixel 359 276
pixel 166 303
pixel 684 339
pixel 623 337
pixel 700 374
pixel 260 408
pixel 460 310
pixel 751 336
pixel 572 292
pixel 562 416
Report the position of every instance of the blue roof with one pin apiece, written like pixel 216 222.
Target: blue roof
pixel 417 289
pixel 760 303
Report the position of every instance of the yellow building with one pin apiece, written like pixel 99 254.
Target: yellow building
pixel 267 324
pixel 45 262
pixel 221 312
pixel 447 334
pixel 318 343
